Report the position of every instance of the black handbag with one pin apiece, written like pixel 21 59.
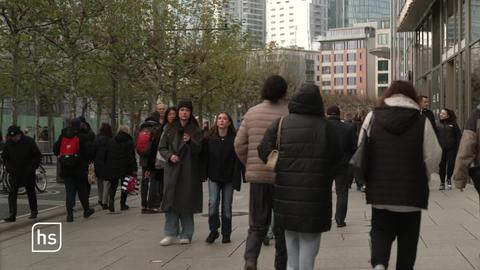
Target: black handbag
pixel 474 173
pixel 359 160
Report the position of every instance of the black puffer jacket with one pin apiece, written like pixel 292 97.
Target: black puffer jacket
pixel 449 134
pixel 120 157
pixel 303 188
pixel 22 159
pixel 85 153
pixel 100 150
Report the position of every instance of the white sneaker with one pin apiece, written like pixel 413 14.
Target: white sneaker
pixel 167 241
pixel 379 267
pixel 184 241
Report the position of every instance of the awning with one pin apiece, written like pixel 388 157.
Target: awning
pixel 382 52
pixel 411 14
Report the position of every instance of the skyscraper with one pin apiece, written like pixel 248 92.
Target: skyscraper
pixel 296 23
pixel 347 13
pixel 251 15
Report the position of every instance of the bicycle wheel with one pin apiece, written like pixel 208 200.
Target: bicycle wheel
pixel 41 180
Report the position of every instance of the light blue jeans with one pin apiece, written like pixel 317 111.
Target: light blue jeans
pixel 302 249
pixel 179 225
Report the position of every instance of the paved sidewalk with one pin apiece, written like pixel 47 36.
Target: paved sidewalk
pixel 128 240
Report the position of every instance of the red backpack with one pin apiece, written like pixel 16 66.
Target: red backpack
pixel 144 142
pixel 69 149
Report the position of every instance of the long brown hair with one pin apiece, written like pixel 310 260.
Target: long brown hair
pixel 405 88
pixel 213 132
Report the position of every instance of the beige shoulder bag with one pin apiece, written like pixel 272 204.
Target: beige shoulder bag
pixel 273 156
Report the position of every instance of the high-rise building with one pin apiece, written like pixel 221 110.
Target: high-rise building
pixel 344 13
pixel 436 45
pixel 293 23
pixel 251 15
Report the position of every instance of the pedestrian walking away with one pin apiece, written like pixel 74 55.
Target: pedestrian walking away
pixel 424 102
pixel 303 197
pixel 181 145
pixel 342 173
pixel 146 143
pixel 100 150
pixel 449 135
pixel 255 123
pixel 398 173
pixel 21 158
pixel 223 170
pixel 75 152
pixel 120 162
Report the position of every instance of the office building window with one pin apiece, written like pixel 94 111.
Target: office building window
pixel 326 70
pixel 382 65
pixel 351 57
pixel 338 57
pixel 351 68
pixel 318 78
pixel 382 78
pixel 361 79
pixel 360 67
pixel 352 81
pixel 326 58
pixel 338 81
pixel 382 39
pixel 326 83
pixel 338 69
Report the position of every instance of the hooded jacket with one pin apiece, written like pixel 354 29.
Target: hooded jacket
pixel 449 134
pixel 253 127
pixel 86 154
pixel 398 124
pixel 120 157
pixel 469 149
pixel 22 159
pixel 308 154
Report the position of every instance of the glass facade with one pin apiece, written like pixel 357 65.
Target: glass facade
pixel 362 11
pixel 442 55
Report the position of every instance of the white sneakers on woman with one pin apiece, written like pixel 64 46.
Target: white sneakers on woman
pixel 379 267
pixel 167 241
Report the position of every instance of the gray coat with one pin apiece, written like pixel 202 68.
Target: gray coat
pixel 182 192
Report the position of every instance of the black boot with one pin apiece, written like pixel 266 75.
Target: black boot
pixel 11 218
pixel 87 213
pixel 226 239
pixel 111 205
pixel 212 237
pixel 33 214
pixel 69 216
pixel 123 201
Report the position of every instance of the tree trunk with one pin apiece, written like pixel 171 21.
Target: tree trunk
pixel 99 115
pixel 113 113
pixel 15 80
pixel 73 86
pixel 2 104
pixel 51 126
pixel 37 108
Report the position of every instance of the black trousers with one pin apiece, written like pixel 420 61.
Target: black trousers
pixel 113 190
pixel 447 164
pixel 76 183
pixel 12 196
pixel 144 187
pixel 260 216
pixel 342 183
pixel 388 225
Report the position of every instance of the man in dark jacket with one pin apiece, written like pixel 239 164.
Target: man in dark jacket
pixel 21 157
pixel 308 151
pixel 76 176
pixel 342 174
pixel 424 102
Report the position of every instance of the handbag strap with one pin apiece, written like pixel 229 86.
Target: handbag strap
pixel 279 132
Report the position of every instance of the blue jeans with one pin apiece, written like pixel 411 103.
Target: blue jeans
pixel 214 191
pixel 173 222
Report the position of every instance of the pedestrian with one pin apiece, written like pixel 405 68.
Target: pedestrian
pixel 154 171
pixel 161 109
pixel 303 198
pixel 75 152
pixel 468 153
pixel 149 133
pixel 120 163
pixel 403 152
pixel 357 126
pixel 449 135
pixel 181 146
pixel 224 175
pixel 2 143
pixel 100 150
pixel 44 134
pixel 342 174
pixel 21 158
pixel 424 102
pixel 254 124
pixel 85 128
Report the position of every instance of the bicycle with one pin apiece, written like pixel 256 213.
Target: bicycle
pixel 40 181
